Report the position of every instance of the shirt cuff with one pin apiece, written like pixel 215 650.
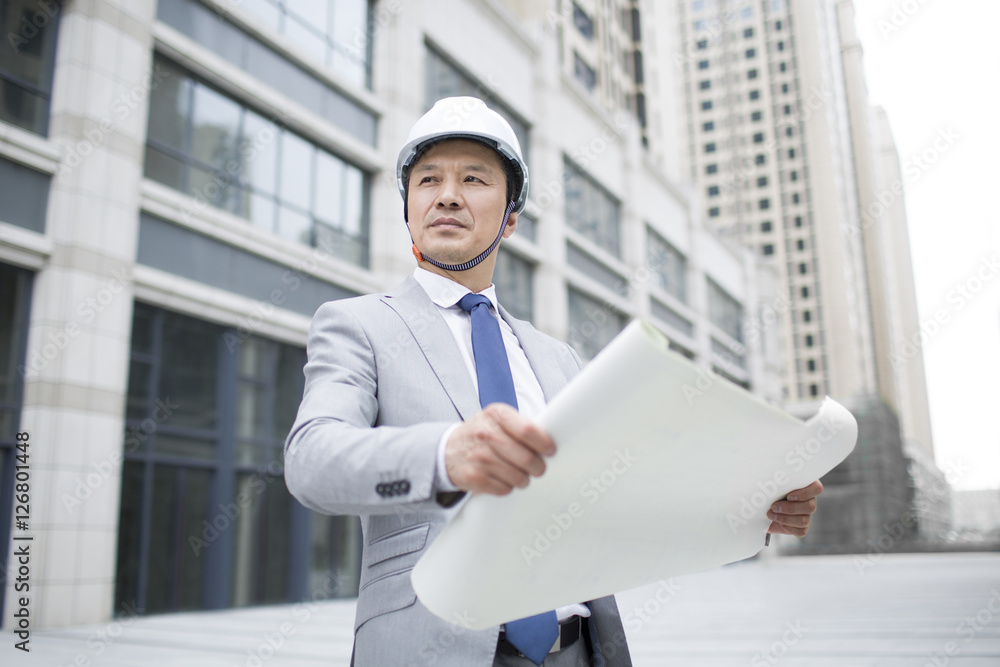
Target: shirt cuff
pixel 441 474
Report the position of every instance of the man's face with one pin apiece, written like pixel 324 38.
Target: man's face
pixel 456 199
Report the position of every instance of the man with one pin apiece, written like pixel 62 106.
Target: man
pixel 410 398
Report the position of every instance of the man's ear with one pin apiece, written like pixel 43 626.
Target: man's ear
pixel 511 225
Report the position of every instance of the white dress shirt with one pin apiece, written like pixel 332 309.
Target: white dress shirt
pixel 446 293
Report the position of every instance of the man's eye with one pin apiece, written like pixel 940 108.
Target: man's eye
pixel 426 179
pixel 472 178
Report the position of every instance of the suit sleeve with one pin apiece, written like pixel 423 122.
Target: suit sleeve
pixel 336 460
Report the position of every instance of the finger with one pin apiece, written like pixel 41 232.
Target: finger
pixel 779 529
pixel 807 492
pixel 480 481
pixel 486 457
pixel 505 447
pixel 522 458
pixel 790 520
pixel 521 429
pixel 786 507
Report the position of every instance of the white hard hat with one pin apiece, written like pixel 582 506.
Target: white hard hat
pixel 465 118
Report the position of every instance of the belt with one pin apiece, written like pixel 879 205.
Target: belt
pixel 569 632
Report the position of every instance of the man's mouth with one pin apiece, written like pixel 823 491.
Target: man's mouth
pixel 447 223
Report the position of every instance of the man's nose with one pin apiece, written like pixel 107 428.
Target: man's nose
pixel 450 195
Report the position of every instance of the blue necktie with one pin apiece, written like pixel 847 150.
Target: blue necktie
pixel 532 636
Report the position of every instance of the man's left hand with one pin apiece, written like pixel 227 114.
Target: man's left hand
pixel 792 515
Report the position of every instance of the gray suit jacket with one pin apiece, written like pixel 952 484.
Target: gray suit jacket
pixel 384 381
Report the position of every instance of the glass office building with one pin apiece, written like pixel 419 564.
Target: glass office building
pixel 184 182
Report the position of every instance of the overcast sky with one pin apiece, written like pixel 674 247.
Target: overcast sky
pixel 935 67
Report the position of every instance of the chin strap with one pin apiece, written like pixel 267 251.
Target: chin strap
pixel 472 262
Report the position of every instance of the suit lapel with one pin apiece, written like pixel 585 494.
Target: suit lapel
pixel 432 334
pixel 539 355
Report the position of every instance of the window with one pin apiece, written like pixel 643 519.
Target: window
pixel 789 131
pixel 807 316
pixel 702 44
pixel 514 279
pixel 710 147
pixel 583 72
pixel 752 74
pixel 764 204
pixel 804 292
pixel 701 25
pixel 337 35
pixel 24 196
pixel 766 226
pixel 811 365
pixel 777 25
pixel 760 158
pixel 583 22
pixel 754 95
pixel 798 221
pixel 225 154
pixel 667 265
pixel 782 67
pixel 781 46
pixel 768 249
pixel 698 5
pixel 708 127
pixel 706 105
pixel 809 340
pixel 784 87
pixel 751 53
pixel 803 268
pixel 724 311
pixel 791 153
pixel 27 59
pixel 748 32
pixel 813 390
pixel 800 244
pixel 793 176
pixel 703 64
pixel 713 212
pixel 758 137
pixel 349 53
pixel 704 85
pixel 591 210
pixel 746 13
pixel 221 404
pixel 711 168
pixel 756 116
pixel 527 227
pixel 762 181
pixel 592 324
pixel 795 198
pixel 15 304
pixel 713 191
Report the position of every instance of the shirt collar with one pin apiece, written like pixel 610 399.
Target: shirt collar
pixel 445 292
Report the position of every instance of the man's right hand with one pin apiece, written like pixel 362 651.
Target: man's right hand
pixel 497 450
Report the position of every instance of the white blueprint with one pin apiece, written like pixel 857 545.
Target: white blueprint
pixel 662 469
